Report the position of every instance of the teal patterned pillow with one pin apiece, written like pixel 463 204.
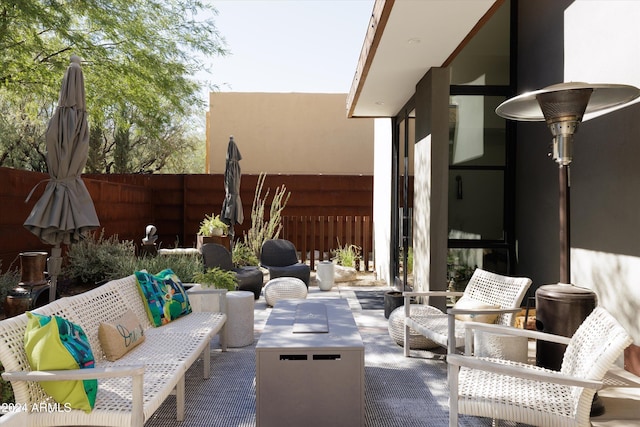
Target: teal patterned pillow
pixel 164 296
pixel 54 343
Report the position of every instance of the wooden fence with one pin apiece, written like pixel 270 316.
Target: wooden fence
pixel 315 237
pixel 322 208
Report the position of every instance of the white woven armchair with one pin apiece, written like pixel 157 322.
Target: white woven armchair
pixel 485 287
pixel 513 391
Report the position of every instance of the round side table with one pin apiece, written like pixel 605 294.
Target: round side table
pixel 240 305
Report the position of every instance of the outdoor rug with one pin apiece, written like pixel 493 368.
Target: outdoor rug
pixel 399 391
pixel 371 300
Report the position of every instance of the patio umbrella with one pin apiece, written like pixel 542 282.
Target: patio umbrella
pixel 65 210
pixel 232 206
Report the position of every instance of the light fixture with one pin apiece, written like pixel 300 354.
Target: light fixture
pixel 563 106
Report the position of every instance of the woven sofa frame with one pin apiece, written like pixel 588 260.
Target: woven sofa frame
pixel 130 389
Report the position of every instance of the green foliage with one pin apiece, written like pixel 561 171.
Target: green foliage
pixel 8 280
pixel 218 278
pixel 210 223
pixel 97 258
pixel 6 392
pixel 186 266
pixel 457 270
pixel 139 61
pixel 242 255
pixel 346 255
pixel 261 229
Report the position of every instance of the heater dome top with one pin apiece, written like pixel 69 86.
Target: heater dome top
pixel 569 97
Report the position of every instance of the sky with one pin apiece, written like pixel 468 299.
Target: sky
pixel 289 45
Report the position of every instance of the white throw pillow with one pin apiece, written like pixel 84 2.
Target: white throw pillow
pixel 469 303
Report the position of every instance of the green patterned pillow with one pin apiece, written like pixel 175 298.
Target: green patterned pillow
pixel 54 343
pixel 164 296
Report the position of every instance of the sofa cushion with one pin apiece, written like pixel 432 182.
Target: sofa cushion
pixel 164 296
pixel 120 336
pixel 469 303
pixel 54 343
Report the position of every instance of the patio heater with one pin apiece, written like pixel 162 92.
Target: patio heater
pixel 561 308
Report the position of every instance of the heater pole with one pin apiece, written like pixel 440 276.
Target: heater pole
pixel 565 234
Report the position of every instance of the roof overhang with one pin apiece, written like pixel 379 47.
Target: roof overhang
pixel 404 40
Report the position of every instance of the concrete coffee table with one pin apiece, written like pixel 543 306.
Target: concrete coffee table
pixel 310 366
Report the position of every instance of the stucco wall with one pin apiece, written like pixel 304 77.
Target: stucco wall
pixel 289 133
pixel 382 199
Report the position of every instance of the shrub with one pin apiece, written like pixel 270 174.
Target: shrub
pixel 184 265
pixel 242 255
pixel 95 258
pixel 8 280
pixel 346 255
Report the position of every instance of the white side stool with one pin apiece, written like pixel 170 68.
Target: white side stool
pixel 240 305
pixel 284 288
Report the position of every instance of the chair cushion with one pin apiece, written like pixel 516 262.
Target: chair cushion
pixel 54 343
pixel 278 253
pixel 164 296
pixel 120 336
pixel 469 303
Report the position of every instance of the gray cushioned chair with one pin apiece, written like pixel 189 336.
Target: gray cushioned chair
pixel 279 256
pixel 249 278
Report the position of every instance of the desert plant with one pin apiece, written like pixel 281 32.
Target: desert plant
pixel 262 230
pixel 210 223
pixel 218 278
pixel 346 255
pixel 97 258
pixel 185 266
pixel 8 280
pixel 242 255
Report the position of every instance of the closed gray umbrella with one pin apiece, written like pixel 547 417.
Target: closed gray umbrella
pixel 65 210
pixel 232 206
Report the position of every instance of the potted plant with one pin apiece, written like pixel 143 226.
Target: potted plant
pixel 212 225
pixel 211 229
pixel 217 278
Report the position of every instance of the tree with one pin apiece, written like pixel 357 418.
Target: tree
pixel 138 56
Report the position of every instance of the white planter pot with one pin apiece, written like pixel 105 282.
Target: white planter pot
pixel 324 275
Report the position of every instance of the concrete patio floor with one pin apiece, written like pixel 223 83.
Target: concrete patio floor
pixel 621 397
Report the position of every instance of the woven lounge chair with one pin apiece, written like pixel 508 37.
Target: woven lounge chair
pixel 523 393
pixel 249 278
pixel 503 292
pixel 279 256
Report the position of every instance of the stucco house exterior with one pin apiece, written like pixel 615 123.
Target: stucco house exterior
pixel 288 133
pixel 481 190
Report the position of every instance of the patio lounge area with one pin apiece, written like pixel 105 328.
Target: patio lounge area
pixel 399 391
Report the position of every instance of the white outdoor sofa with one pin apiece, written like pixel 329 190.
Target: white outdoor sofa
pixel 130 389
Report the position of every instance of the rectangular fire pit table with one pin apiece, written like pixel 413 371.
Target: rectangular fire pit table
pixel 310 366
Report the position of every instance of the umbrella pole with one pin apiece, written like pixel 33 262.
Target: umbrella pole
pixel 54 267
